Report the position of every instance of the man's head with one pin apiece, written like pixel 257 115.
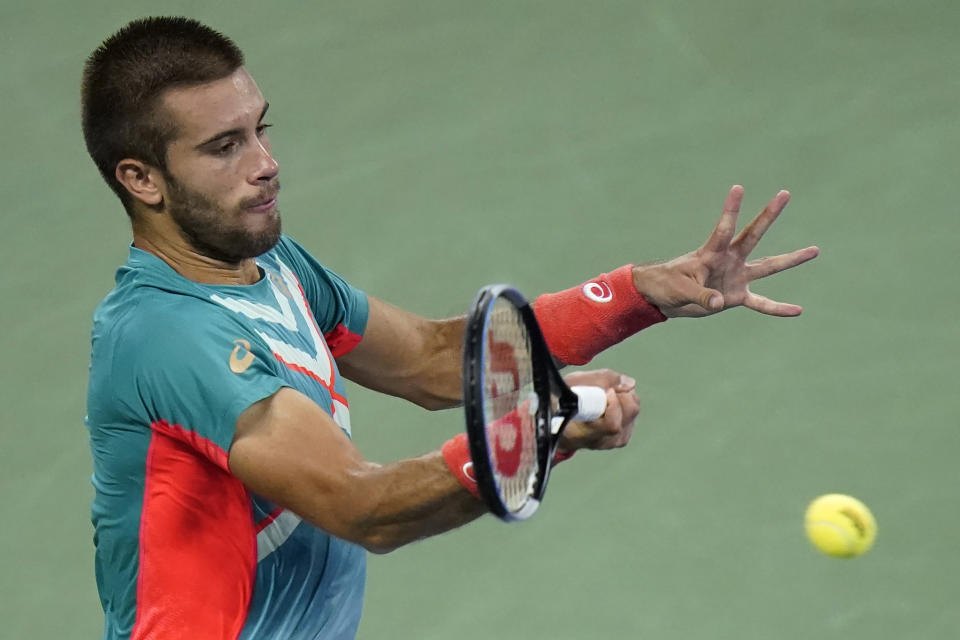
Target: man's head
pixel 175 125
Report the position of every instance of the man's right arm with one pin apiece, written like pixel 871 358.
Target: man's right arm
pixel 288 450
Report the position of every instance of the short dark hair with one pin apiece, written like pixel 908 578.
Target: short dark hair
pixel 123 81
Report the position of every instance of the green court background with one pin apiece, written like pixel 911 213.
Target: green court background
pixel 428 148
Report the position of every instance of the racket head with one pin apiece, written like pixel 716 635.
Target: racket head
pixel 507 380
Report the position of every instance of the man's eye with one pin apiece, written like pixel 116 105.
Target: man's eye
pixel 262 128
pixel 226 148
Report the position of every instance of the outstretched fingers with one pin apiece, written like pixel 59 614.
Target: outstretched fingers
pixel 764 267
pixel 771 307
pixel 727 226
pixel 748 238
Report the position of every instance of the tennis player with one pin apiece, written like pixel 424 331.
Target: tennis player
pixel 229 499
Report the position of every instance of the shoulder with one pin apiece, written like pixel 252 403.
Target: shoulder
pixel 154 330
pixel 178 358
pixel 147 293
pixel 148 314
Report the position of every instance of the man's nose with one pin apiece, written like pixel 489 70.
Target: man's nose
pixel 266 167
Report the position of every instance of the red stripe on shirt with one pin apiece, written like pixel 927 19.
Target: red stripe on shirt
pixel 207 447
pixel 310 374
pixel 263 524
pixel 341 340
pixel 339 398
pixel 304 371
pixel 198 547
pixel 316 327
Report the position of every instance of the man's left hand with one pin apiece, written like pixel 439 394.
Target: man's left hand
pixel 717 275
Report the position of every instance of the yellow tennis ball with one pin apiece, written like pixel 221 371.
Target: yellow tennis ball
pixel 840 525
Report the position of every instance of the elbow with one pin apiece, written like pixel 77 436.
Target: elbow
pixel 436 402
pixel 379 542
pixel 372 538
pixel 380 549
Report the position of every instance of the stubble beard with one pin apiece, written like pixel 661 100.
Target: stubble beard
pixel 216 232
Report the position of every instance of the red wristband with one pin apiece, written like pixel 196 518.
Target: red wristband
pixel 581 322
pixel 456 453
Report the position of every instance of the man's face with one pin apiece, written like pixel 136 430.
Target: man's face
pixel 221 180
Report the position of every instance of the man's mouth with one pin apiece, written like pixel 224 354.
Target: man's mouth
pixel 267 202
pixel 264 205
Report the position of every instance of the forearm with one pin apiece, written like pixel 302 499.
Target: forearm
pixel 400 503
pixel 379 507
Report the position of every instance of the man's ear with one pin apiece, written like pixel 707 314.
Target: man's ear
pixel 145 183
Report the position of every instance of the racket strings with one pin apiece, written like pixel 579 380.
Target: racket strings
pixel 510 404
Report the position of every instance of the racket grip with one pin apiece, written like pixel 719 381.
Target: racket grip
pixel 592 401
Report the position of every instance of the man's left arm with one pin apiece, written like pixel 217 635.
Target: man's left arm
pixel 582 321
pixel 405 355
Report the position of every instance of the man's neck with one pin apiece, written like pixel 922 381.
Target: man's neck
pixel 193 265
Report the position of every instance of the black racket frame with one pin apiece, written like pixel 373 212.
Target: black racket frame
pixel 547 382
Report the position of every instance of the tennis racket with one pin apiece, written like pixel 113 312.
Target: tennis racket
pixel 515 402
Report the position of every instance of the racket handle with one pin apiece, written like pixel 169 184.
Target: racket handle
pixel 593 402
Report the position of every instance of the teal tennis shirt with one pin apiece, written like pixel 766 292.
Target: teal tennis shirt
pixel 183 548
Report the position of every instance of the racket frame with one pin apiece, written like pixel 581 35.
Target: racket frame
pixel 547 382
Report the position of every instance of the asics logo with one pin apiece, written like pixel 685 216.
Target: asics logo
pixel 467 469
pixel 240 363
pixel 598 291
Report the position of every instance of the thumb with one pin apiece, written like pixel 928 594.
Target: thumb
pixel 613 415
pixel 710 299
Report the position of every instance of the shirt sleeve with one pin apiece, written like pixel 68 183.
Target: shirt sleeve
pixel 190 373
pixel 341 310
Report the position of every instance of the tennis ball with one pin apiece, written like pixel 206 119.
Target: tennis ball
pixel 840 525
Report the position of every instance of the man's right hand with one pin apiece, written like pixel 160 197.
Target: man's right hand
pixel 614 428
